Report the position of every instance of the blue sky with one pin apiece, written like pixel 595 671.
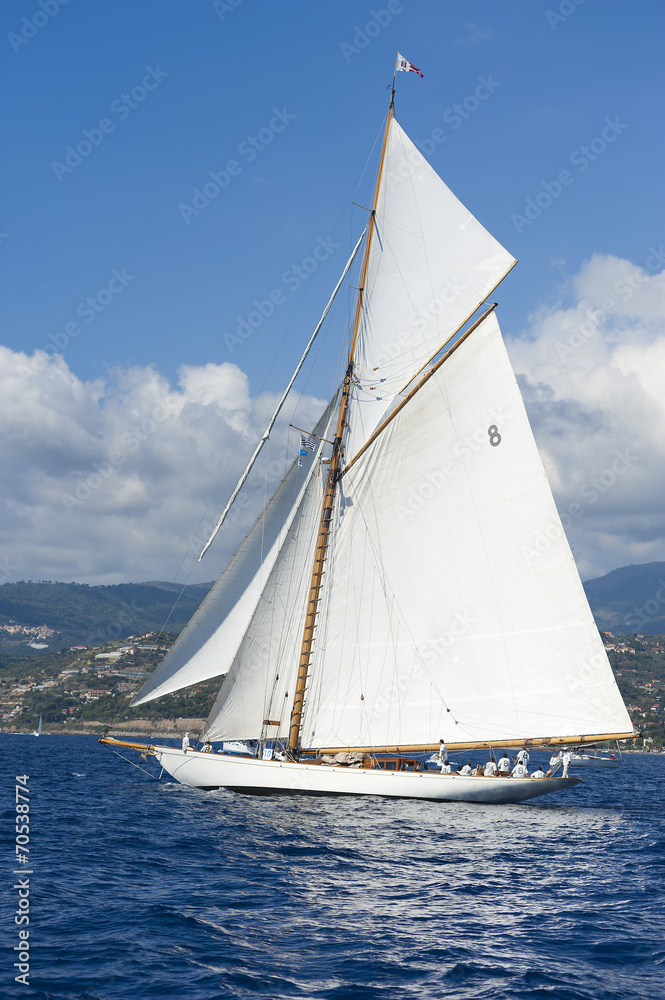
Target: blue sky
pixel 221 73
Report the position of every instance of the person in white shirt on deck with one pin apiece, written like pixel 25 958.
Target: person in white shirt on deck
pixel 539 773
pixel 185 742
pixel 504 766
pixel 490 768
pixel 207 748
pixel 566 762
pixel 443 752
pixel 520 771
pixel 523 757
pixel 467 769
pixel 445 767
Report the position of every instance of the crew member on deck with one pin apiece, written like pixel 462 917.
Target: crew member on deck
pixel 523 757
pixel 539 773
pixel 504 766
pixel 207 747
pixel 185 742
pixel 467 769
pixel 520 771
pixel 566 762
pixel 490 768
pixel 443 752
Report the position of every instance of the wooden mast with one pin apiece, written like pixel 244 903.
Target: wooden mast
pixel 334 473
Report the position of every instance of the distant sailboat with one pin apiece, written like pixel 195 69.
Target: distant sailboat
pixel 383 599
pixel 587 760
pixel 38 731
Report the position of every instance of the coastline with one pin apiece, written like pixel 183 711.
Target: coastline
pixel 140 727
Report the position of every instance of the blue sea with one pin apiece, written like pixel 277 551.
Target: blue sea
pixel 140 889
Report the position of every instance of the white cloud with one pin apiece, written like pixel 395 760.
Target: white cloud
pixel 107 481
pixel 592 371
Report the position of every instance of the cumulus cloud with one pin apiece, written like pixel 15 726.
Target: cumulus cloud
pixel 592 371
pixel 109 480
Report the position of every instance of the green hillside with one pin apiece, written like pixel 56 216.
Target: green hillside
pixel 630 599
pixel 83 615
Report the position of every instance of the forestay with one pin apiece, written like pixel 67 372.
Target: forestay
pixel 444 615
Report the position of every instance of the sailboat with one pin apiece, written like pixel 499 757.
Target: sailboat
pixel 38 731
pixel 392 594
pixel 588 760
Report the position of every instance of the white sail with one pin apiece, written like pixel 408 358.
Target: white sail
pixel 452 604
pixel 431 264
pixel 207 645
pixel 259 684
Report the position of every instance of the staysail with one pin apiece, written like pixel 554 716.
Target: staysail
pixel 259 684
pixel 430 266
pixel 208 643
pixel 452 606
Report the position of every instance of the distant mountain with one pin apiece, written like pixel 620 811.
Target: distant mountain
pixel 627 600
pixel 630 599
pixel 84 615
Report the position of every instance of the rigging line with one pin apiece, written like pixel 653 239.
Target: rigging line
pixel 354 186
pixel 281 402
pixel 413 392
pixel 134 764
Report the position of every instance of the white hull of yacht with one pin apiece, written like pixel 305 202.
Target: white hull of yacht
pixel 262 777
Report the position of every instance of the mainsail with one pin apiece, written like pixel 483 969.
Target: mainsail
pixel 443 615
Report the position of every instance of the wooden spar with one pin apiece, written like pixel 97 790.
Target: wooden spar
pixel 480 744
pixel 334 473
pixel 415 389
pixel 109 741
